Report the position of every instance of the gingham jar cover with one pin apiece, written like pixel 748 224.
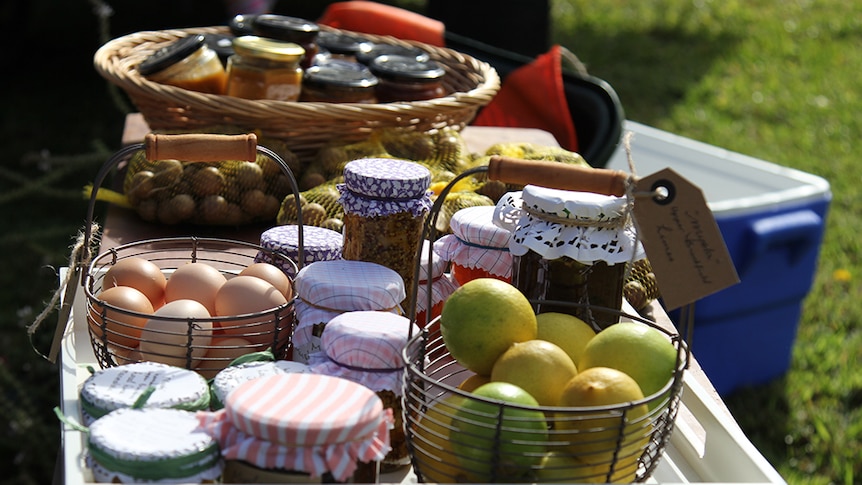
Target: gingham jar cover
pixel 376 187
pixel 476 242
pixel 599 229
pixel 309 423
pixel 442 283
pixel 365 347
pixel 318 243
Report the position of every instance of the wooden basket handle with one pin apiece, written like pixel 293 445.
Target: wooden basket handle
pixel 201 147
pixel 557 175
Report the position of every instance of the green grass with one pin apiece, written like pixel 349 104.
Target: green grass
pixel 772 79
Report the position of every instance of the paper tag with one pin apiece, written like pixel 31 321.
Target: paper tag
pixel 682 240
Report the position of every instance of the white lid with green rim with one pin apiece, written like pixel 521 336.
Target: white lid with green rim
pixel 166 445
pixel 233 376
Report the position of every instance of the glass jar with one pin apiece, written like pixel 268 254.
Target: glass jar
pixel 342 45
pixel 289 29
pixel 318 244
pixel 570 247
pixel 338 81
pixel 365 347
pixel 403 78
pixel 264 69
pixel 326 289
pixel 442 283
pixel 385 202
pixel 369 52
pixel 186 63
pixel 476 247
pixel 306 427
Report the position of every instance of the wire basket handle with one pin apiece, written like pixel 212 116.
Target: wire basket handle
pixel 557 175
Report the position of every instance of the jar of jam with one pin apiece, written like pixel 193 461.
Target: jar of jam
pixel 289 29
pixel 476 247
pixel 300 428
pixel 365 347
pixel 404 78
pixel 339 81
pixel 385 202
pixel 186 63
pixel 264 69
pixel 318 244
pixel 342 45
pixel 569 247
pixel 326 289
pixel 369 52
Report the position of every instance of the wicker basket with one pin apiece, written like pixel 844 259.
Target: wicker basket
pixel 304 126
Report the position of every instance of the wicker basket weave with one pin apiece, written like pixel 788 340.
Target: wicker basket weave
pixel 304 126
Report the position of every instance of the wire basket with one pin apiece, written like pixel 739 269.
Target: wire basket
pixel 303 126
pixel 191 342
pixel 456 436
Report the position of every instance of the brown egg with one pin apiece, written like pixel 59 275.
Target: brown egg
pixel 195 281
pixel 168 341
pixel 272 274
pixel 140 274
pixel 122 329
pixel 244 295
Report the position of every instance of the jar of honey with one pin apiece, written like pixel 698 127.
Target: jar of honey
pixel 187 63
pixel 404 78
pixel 338 81
pixel 264 69
pixel 476 247
pixel 289 29
pixel 569 247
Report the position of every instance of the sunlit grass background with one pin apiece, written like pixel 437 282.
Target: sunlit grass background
pixel 777 80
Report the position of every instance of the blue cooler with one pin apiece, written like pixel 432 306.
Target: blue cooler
pixel 772 219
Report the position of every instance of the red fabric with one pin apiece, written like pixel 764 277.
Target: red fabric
pixel 533 96
pixel 379 19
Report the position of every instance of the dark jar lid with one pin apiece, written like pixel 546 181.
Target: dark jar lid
pixel 339 73
pixel 222 44
pixel 404 68
pixel 282 27
pixel 241 24
pixel 374 51
pixel 341 43
pixel 171 54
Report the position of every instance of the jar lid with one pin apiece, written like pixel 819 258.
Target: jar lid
pixel 233 376
pixel 270 49
pixel 406 68
pixel 347 285
pixel 241 24
pixel 335 72
pixel 384 186
pixel 153 445
pixel 583 226
pixel 342 43
pixel 439 264
pixel 319 244
pixel 373 51
pixel 171 54
pixel 282 27
pixel 311 423
pixel 222 44
pixel 120 387
pixel 476 242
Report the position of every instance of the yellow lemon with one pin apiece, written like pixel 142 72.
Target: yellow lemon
pixel 473 381
pixel 539 367
pixel 560 467
pixel 481 319
pixel 569 332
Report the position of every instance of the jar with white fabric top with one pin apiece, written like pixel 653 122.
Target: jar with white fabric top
pixel 570 247
pixel 365 347
pixel 437 280
pixel 476 247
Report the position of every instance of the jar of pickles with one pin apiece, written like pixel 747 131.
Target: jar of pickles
pixel 385 202
pixel 186 63
pixel 405 78
pixel 476 247
pixel 264 69
pixel 569 247
pixel 339 81
pixel 289 29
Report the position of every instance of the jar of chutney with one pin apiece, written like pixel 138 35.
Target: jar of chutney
pixel 289 29
pixel 339 81
pixel 264 69
pixel 405 78
pixel 187 63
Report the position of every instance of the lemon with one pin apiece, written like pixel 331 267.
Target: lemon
pixel 560 467
pixel 642 352
pixel 568 331
pixel 539 367
pixel 502 439
pixel 597 437
pixel 472 382
pixel 434 459
pixel 481 319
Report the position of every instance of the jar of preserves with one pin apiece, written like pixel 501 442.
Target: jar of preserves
pixel 301 427
pixel 385 202
pixel 404 78
pixel 476 247
pixel 186 63
pixel 365 347
pixel 442 284
pixel 236 374
pixel 326 289
pixel 341 45
pixel 339 81
pixel 318 244
pixel 289 29
pixel 569 247
pixel 264 69
pixel 369 52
